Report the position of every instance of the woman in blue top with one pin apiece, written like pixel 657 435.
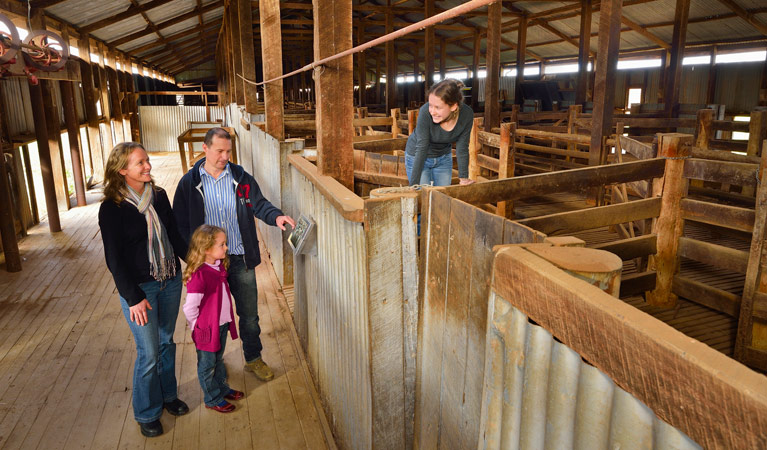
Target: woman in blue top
pixel 442 121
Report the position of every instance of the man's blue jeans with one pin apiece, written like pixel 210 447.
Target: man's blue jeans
pixel 242 283
pixel 212 372
pixel 154 372
pixel 438 170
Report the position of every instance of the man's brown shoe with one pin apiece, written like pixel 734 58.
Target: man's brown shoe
pixel 260 369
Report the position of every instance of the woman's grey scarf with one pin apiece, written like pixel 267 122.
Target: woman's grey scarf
pixel 162 260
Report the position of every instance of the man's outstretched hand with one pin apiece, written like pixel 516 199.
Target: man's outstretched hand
pixel 282 220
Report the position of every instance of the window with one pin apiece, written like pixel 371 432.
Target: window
pixel 638 63
pixel 691 60
pixel 634 97
pixel 741 57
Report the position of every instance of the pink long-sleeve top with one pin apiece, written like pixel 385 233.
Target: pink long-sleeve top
pixel 208 304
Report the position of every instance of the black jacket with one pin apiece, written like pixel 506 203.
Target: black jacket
pixel 123 230
pixel 189 208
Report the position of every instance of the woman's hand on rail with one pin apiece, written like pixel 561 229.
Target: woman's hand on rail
pixel 465 181
pixel 282 220
pixel 138 313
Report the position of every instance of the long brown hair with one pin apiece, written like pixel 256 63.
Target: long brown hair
pixel 449 91
pixel 203 238
pixel 114 181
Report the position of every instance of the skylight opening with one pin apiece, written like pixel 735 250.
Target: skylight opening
pixel 741 57
pixel 638 63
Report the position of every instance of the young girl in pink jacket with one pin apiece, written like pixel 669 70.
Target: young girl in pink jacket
pixel 208 310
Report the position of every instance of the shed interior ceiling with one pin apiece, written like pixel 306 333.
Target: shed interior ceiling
pixel 148 30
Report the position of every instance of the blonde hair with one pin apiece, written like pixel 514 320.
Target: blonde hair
pixel 114 181
pixel 203 238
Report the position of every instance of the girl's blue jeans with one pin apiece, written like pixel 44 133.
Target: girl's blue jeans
pixel 438 170
pixel 154 372
pixel 211 371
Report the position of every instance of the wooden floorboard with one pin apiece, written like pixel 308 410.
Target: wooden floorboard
pixel 66 355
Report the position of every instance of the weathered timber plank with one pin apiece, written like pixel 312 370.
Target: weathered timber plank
pixel 488 232
pixel 431 324
pixel 381 145
pixel 726 216
pixel 587 219
pixel 636 148
pixel 659 365
pixel 713 254
pixel 549 183
pixel 741 174
pixel 631 248
pixel 384 255
pixel 491 139
pixel 706 295
pixel 637 283
pixel 455 335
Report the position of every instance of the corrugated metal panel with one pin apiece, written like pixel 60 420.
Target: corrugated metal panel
pixel 737 86
pixel 504 83
pixel 338 346
pixel 694 84
pixel 18 106
pixel 161 125
pixel 540 394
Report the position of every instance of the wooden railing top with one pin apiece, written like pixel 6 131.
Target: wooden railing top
pixel 198 93
pixel 553 182
pixel 715 400
pixel 346 202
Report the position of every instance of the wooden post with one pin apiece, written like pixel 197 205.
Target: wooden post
pixel 751 339
pixel 712 71
pixel 114 95
pixel 668 227
pixel 7 222
pixel 584 47
pixel 521 48
pixel 73 131
pixel 41 134
pixel 416 70
pixel 234 32
pixel 757 132
pixel 106 110
pixel 475 72
pixel 395 115
pixel 31 184
pixel 362 62
pixel 53 122
pixel 493 66
pixel 474 149
pixel 391 63
pixel 674 73
pixel 604 87
pixel 763 86
pixel 335 109
pixel 442 58
pixel 247 53
pixel 506 165
pixel 412 120
pixel 271 57
pixel 378 80
pixel 133 102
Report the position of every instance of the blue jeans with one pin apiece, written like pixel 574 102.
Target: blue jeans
pixel 242 283
pixel 437 170
pixel 154 372
pixel 211 371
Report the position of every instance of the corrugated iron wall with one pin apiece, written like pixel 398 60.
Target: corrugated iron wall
pixel 539 393
pixel 161 125
pixel 18 106
pixel 266 159
pixel 336 335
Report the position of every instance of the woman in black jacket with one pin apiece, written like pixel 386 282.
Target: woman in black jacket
pixel 142 245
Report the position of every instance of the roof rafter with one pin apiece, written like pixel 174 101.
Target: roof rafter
pixel 743 14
